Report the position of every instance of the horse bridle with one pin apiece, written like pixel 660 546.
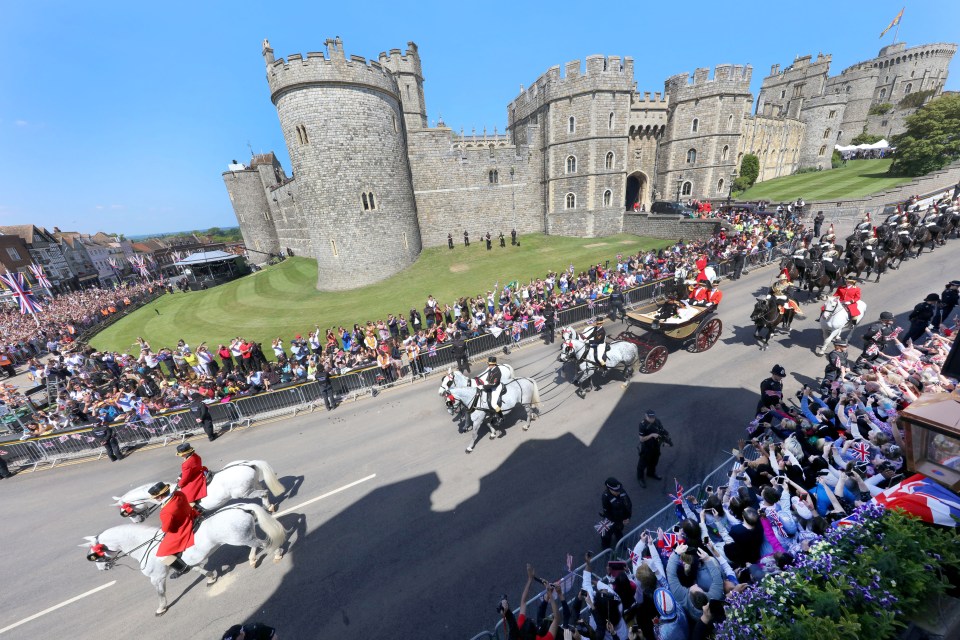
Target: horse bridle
pixel 99 552
pixel 127 509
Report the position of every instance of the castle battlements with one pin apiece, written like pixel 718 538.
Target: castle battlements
pixel 658 101
pixel 600 73
pixel 399 62
pixel 330 68
pixel 727 78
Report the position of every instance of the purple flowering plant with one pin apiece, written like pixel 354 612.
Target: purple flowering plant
pixel 863 579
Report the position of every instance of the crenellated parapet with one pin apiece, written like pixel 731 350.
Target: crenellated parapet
pixel 399 62
pixel 727 79
pixel 330 68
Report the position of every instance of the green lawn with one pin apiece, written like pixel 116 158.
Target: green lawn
pixel 281 300
pixel 858 178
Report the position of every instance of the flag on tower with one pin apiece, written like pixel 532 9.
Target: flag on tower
pixel 895 22
pixel 17 284
pixel 40 276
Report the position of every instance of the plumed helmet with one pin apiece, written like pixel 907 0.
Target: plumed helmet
pixel 666 605
pixel 158 490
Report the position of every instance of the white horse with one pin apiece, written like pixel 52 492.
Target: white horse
pixel 239 479
pixel 236 525
pixel 835 319
pixel 618 354
pixel 455 379
pixel 517 392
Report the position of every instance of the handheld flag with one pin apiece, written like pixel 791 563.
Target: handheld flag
pixel 40 276
pixel 896 21
pixel 861 450
pixel 17 284
pixel 603 526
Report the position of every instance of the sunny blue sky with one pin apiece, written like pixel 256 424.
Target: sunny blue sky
pixel 122 116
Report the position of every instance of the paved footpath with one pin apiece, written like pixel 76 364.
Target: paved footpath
pixel 396 531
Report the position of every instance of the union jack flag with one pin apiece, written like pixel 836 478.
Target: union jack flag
pixel 667 541
pixel 177 256
pixel 678 496
pixel 539 322
pixel 17 284
pixel 603 526
pixel 113 264
pixel 861 450
pixel 634 558
pixel 40 276
pixel 777 523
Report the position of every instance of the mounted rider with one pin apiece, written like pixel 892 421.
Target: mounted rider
pixel 176 521
pixel 828 240
pixel 779 294
pixel 596 337
pixel 848 293
pixel 864 229
pixel 193 476
pixel 491 383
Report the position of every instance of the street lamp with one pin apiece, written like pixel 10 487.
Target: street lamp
pixel 679 186
pixel 733 178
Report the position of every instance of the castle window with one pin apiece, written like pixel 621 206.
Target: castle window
pixel 849 88
pixel 570 201
pixel 729 123
pixel 883 123
pixel 908 88
pixel 687 188
pixel 823 150
pixel 692 156
pixel 302 134
pixel 694 126
pixel 366 203
pixel 266 215
pixel 724 153
pixel 373 204
pixel 494 176
pixel 572 125
pixel 883 93
pixel 783 94
pixel 333 247
pixel 610 123
pixel 608 163
pixel 491 150
pixel 607 198
pixel 720 186
pixel 396 129
pixel 571 164
pixel 839 133
pixel 798 90
pixel 832 114
pixel 826 134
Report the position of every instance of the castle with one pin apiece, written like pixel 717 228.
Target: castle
pixel 372 183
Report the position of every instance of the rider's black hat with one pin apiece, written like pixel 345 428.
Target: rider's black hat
pixel 159 489
pixel 492 360
pixel 613 484
pixel 840 343
pixel 184 449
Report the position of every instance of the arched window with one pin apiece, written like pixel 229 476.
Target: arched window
pixel 494 176
pixel 571 201
pixel 396 129
pixel 610 123
pixel 823 150
pixel 692 156
pixel 730 123
pixel 883 93
pixel 687 188
pixel 333 247
pixel 607 197
pixel 695 125
pixel 373 204
pixel 908 88
pixel 572 125
pixel 366 203
pixel 720 186
pixel 724 153
pixel 608 163
pixel 571 164
pixel 826 134
pixel 302 134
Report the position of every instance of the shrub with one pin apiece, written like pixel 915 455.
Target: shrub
pixel 836 159
pixel 880 109
pixel 749 170
pixel 915 100
pixel 866 138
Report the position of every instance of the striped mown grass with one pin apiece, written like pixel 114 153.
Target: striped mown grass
pixel 858 178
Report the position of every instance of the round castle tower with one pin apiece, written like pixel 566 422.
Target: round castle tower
pixel 344 128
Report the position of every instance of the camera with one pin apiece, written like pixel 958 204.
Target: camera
pixel 500 607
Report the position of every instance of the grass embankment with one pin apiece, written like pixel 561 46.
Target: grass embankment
pixel 858 178
pixel 282 300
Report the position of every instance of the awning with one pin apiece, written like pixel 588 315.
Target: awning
pixel 204 257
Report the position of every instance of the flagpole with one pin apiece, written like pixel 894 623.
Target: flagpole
pixel 897 31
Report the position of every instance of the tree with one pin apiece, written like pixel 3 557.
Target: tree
pixel 880 109
pixel 932 138
pixel 866 138
pixel 749 172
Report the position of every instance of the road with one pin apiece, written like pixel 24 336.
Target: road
pixel 426 538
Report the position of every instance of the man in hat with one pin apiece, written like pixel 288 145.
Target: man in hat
pixel 698 293
pixel 491 384
pixel 837 363
pixel 652 436
pixel 771 390
pixel 596 337
pixel 878 335
pixel 948 301
pixel 714 295
pixel 193 475
pixel 921 316
pixel 176 522
pixel 254 631
pixel 107 437
pixel 201 415
pixel 848 294
pixel 671 621
pixel 615 506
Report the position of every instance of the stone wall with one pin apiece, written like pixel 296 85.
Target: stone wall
pixel 248 197
pixel 585 224
pixel 776 143
pixel 670 227
pixel 823 117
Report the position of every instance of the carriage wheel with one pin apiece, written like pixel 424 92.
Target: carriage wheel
pixel 656 358
pixel 708 334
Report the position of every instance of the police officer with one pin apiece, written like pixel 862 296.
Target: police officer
pixel 550 322
pixel 837 363
pixel 107 437
pixel 326 387
pixel 493 375
pixel 450 240
pixel 921 316
pixel 201 415
pixel 466 238
pixel 817 223
pixel 616 303
pixel 458 347
pixel 513 237
pixel 948 301
pixel 878 335
pixel 652 436
pixel 771 390
pixel 503 241
pixel 487 238
pixel 616 507
pixel 597 336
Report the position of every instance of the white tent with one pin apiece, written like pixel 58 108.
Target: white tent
pixel 880 144
pixel 842 149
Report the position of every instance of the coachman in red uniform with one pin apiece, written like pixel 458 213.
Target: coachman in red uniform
pixel 849 295
pixel 176 522
pixel 193 475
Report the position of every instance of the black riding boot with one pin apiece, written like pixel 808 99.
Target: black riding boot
pixel 178 568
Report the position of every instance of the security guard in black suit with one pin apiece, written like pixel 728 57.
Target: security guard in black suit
pixel 107 437
pixel 878 335
pixel 921 316
pixel 616 303
pixel 617 508
pixel 948 301
pixel 458 348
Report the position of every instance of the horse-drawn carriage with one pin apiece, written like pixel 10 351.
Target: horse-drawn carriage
pixel 696 329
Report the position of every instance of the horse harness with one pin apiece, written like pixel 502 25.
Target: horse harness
pixel 98 551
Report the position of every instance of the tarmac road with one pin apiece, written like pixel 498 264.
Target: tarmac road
pixel 422 539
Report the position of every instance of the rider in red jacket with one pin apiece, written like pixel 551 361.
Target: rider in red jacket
pixel 193 475
pixel 176 522
pixel 849 295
